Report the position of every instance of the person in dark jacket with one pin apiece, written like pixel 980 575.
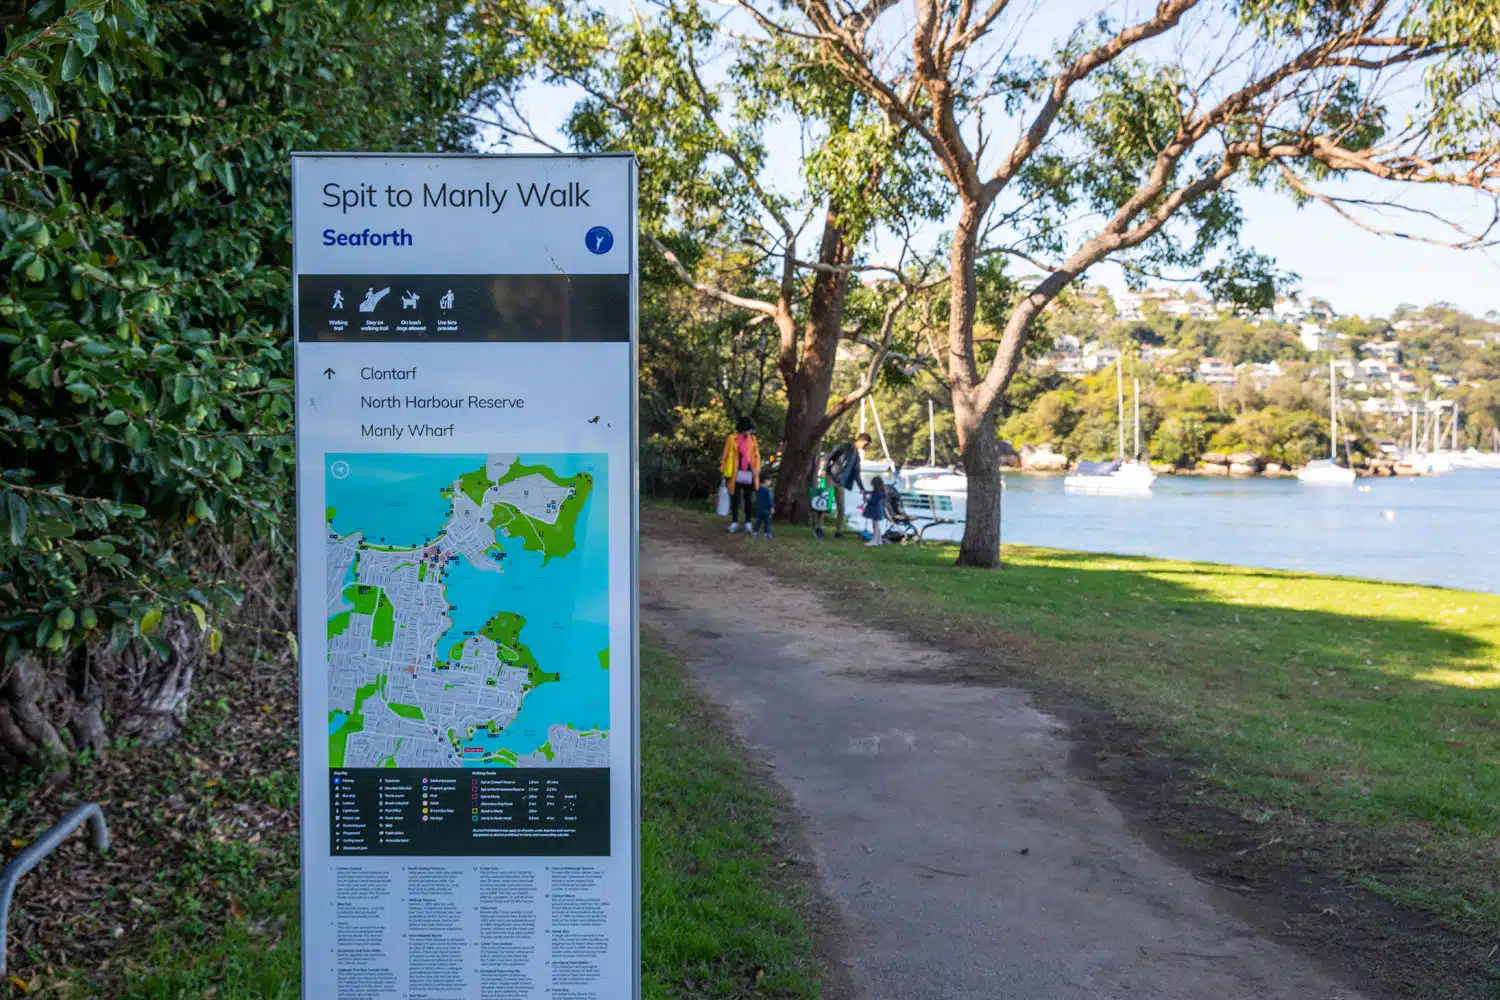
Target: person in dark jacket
pixel 875 510
pixel 845 474
pixel 765 500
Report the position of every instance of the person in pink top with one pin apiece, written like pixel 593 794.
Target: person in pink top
pixel 740 466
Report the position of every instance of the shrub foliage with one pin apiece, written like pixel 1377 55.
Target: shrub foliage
pixel 145 312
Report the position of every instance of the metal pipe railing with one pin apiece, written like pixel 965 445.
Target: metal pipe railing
pixel 48 842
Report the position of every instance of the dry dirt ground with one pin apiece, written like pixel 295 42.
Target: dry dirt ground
pixel 967 855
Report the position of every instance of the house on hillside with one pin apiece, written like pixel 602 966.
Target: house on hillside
pixel 1388 350
pixel 1261 374
pixel 1097 356
pixel 1394 405
pixel 1314 338
pixel 1215 371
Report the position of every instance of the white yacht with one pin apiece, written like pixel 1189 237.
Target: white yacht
pixel 1327 471
pixel 1118 478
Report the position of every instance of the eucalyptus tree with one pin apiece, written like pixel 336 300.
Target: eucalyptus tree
pixel 1133 135
pixel 754 144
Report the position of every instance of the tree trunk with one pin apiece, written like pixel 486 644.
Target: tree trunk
pixel 28 736
pixel 51 709
pixel 155 709
pixel 810 383
pixel 799 460
pixel 980 447
pixel 977 441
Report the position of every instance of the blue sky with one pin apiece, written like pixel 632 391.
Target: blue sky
pixel 1356 271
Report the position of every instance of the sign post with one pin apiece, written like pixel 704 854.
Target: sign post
pixel 466 534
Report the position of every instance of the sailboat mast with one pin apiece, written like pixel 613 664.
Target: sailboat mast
pixel 1137 455
pixel 931 437
pixel 1333 412
pixel 1455 425
pixel 1120 400
pixel 880 432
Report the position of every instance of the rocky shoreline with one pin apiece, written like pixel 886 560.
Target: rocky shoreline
pixel 1240 465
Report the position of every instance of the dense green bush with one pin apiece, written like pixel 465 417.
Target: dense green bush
pixel 145 313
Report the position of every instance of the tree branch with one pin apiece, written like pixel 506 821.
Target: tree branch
pixel 703 288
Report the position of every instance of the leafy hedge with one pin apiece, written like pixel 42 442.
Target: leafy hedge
pixel 144 289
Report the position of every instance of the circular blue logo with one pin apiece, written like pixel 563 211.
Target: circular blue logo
pixel 599 240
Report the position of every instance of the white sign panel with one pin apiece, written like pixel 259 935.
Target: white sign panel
pixel 466 521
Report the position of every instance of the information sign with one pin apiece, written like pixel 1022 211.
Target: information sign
pixel 466 527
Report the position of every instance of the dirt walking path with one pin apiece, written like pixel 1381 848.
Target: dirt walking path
pixel 968 861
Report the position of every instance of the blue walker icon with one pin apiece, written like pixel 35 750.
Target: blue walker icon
pixel 599 240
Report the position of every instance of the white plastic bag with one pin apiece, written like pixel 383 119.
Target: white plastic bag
pixel 723 505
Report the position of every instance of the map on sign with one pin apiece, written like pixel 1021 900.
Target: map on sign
pixel 468 613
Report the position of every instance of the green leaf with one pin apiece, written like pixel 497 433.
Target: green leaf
pixel 292 647
pixel 200 615
pixel 149 620
pixel 215 641
pixel 31 88
pixel 57 527
pixel 99 549
pixel 18 512
pixel 86 36
pixel 116 418
pixel 72 63
pixel 65 620
pixel 37 269
pixel 106 77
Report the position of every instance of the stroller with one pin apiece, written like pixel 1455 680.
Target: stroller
pixel 900 526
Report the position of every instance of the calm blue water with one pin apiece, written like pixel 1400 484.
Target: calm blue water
pixel 565 603
pixel 394 499
pixel 336 722
pixel 1442 530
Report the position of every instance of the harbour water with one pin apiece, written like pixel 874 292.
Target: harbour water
pixel 1436 530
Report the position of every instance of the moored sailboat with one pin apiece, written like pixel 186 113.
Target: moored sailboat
pixel 1327 471
pixel 1118 477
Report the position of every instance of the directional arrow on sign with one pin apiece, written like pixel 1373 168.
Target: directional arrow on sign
pixel 328 372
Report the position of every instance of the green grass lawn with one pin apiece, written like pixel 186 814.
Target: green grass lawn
pixel 721 916
pixel 1373 705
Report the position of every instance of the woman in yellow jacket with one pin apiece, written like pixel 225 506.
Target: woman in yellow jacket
pixel 740 465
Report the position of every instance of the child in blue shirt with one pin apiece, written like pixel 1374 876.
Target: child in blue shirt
pixel 764 502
